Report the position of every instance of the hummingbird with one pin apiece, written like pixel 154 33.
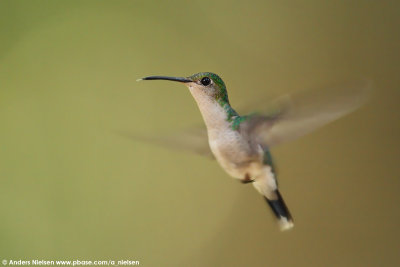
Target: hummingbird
pixel 241 144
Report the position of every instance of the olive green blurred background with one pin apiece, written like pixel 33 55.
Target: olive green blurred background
pixel 72 188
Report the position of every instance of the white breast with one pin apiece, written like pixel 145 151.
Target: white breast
pixel 230 149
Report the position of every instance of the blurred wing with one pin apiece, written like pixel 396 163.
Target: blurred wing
pixel 193 140
pixel 300 113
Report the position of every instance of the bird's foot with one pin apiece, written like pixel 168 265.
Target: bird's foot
pixel 247 180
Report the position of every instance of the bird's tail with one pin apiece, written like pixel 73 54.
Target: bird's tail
pixel 281 211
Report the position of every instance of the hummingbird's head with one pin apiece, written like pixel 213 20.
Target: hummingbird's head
pixel 207 83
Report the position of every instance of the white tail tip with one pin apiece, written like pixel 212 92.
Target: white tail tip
pixel 284 224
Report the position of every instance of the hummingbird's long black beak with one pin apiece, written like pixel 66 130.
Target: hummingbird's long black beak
pixel 176 79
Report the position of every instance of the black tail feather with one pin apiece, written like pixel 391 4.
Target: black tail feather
pixel 281 211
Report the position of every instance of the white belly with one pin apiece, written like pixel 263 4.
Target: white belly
pixel 235 155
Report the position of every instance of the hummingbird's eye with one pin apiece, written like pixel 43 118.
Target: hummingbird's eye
pixel 205 81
